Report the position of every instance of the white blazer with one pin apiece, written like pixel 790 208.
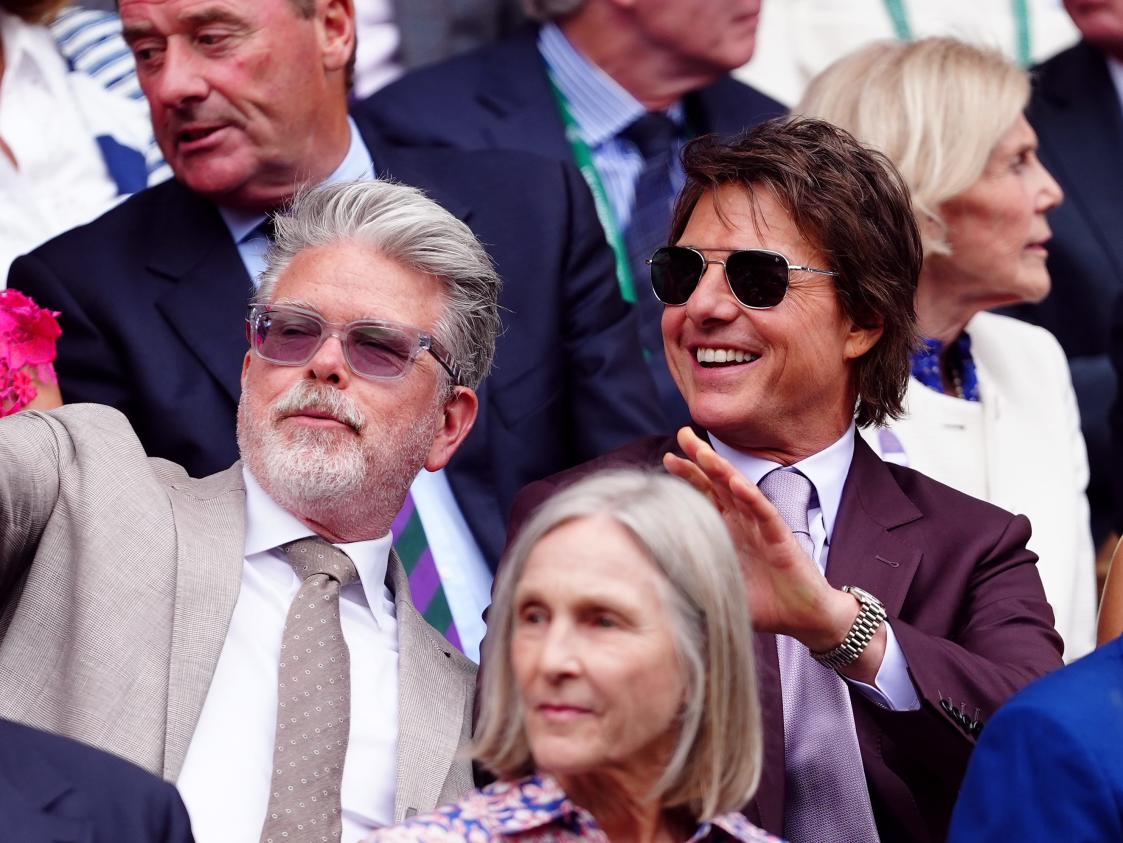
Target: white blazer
pixel 1033 457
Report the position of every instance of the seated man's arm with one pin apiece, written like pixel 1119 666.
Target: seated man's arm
pixel 29 484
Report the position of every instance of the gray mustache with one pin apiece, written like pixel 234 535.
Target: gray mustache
pixel 309 395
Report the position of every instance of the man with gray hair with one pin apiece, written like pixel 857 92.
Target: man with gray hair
pixel 615 86
pixel 245 633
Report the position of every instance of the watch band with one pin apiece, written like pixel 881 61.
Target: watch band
pixel 871 615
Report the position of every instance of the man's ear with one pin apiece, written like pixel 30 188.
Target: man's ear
pixel 246 368
pixel 335 22
pixel 859 340
pixel 458 416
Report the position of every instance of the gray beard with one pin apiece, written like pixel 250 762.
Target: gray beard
pixel 351 483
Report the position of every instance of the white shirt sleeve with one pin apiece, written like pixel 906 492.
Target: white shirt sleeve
pixel 892 688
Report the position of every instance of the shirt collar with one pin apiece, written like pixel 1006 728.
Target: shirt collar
pixel 601 107
pixel 31 50
pixel 1115 68
pixel 827 471
pixel 269 525
pixel 355 166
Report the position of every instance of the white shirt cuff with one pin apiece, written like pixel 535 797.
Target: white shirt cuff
pixel 893 689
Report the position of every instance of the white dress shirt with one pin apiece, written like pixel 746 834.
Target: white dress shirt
pixel 228 769
pixel 464 572
pixel 827 471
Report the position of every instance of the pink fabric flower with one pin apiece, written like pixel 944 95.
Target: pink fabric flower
pixel 27 331
pixel 27 349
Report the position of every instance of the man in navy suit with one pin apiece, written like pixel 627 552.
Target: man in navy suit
pixel 248 102
pixel 1077 112
pixel 55 790
pixel 1048 766
pixel 615 87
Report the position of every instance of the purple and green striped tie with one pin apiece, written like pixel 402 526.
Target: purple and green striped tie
pixel 424 579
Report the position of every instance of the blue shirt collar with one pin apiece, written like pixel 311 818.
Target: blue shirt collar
pixel 601 107
pixel 355 166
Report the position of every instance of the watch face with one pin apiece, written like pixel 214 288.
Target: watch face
pixel 862 594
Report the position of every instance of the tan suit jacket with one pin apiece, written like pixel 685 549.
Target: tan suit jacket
pixel 118 578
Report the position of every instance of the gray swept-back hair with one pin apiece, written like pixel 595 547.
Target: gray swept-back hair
pixel 715 765
pixel 544 10
pixel 402 225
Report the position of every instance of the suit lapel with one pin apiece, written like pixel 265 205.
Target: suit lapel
pixel 1083 140
pixel 435 691
pixel 192 246
pixel 864 551
pixel 210 521
pixel 525 116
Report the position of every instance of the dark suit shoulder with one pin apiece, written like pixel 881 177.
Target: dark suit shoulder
pixel 68 779
pixel 642 453
pixel 415 108
pixel 1067 67
pixel 105 233
pixel 932 497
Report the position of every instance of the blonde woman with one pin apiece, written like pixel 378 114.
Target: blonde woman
pixel 619 700
pixel 990 405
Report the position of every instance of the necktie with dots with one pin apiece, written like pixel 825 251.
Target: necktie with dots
pixel 313 701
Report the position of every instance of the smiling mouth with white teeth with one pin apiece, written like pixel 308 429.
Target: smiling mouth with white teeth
pixel 711 357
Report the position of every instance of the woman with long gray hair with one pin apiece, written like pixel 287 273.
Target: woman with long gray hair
pixel 619 700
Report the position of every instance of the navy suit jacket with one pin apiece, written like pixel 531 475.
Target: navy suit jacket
pixel 153 297
pixel 55 790
pixel 1049 765
pixel 967 607
pixel 1076 112
pixel 499 97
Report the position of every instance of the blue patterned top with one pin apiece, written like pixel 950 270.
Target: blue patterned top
pixel 926 366
pixel 536 810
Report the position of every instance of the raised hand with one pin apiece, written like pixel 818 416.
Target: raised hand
pixel 787 593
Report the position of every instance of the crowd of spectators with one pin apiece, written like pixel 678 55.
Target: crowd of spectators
pixel 584 419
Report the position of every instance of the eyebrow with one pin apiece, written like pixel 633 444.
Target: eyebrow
pixel 194 19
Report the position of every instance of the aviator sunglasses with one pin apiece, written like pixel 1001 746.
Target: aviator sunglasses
pixel 377 350
pixel 758 278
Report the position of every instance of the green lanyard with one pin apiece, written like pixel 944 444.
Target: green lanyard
pixel 583 158
pixel 901 26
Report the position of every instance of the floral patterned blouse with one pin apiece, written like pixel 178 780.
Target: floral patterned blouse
pixel 536 810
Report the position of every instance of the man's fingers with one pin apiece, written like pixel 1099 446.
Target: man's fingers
pixel 688 471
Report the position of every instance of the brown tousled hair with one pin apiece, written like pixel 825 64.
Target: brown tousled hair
pixel 853 206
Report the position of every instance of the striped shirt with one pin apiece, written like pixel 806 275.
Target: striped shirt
pixel 602 110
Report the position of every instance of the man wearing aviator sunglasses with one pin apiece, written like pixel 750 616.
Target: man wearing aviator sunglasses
pixel 894 614
pixel 374 324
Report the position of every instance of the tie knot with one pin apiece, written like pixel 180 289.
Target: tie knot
pixel 653 134
pixel 313 555
pixel 790 492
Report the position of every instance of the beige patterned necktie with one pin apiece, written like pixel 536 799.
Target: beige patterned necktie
pixel 313 701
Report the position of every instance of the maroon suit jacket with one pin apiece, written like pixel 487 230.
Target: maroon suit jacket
pixel 966 604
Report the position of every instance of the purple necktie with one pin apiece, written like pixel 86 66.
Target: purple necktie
pixel 825 795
